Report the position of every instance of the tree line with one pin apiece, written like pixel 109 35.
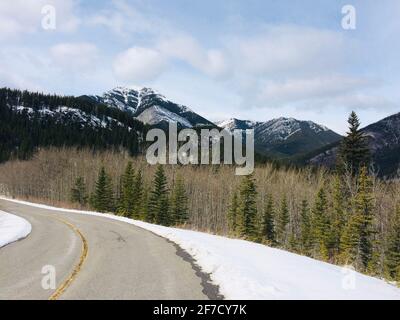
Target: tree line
pixel 22 133
pixel 340 229
pixel 160 203
pixel 345 217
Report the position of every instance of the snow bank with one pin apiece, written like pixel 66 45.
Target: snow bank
pixel 246 270
pixel 12 228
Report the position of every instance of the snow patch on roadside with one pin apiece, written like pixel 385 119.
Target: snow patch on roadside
pixel 12 228
pixel 247 270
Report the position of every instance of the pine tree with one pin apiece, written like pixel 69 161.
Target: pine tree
pixel 306 230
pixel 268 226
pixel 158 203
pixel 233 214
pixel 144 206
pixel 356 242
pixel 338 216
pixel 247 211
pixel 364 210
pixel 392 257
pixel 353 151
pixel 282 222
pixel 179 202
pixel 127 198
pixel 137 194
pixel 321 225
pixel 349 241
pixel 78 192
pixel 103 198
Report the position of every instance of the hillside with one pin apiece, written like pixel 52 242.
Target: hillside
pixel 384 143
pixel 285 137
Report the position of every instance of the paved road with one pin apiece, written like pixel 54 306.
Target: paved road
pixel 123 261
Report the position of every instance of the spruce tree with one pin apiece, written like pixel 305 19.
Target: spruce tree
pixel 268 226
pixel 353 151
pixel 247 211
pixel 364 210
pixel 179 203
pixel 158 203
pixel 233 214
pixel 103 197
pixel 392 257
pixel 137 194
pixel 78 192
pixel 144 206
pixel 338 215
pixel 356 242
pixel 349 242
pixel 321 225
pixel 282 222
pixel 306 228
pixel 127 197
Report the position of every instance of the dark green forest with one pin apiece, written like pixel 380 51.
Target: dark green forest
pixel 23 132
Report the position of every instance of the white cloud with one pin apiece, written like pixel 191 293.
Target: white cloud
pixel 126 20
pixel 288 50
pixel 295 90
pixel 19 17
pixel 137 65
pixel 74 57
pixel 186 48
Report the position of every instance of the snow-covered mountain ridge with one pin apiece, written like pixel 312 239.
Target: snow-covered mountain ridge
pixel 284 137
pixel 150 107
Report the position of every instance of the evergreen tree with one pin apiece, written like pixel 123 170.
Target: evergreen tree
pixel 102 199
pixel 349 242
pixel 392 260
pixel 127 198
pixel 179 202
pixel 137 194
pixel 144 206
pixel 247 211
pixel 78 192
pixel 321 225
pixel 268 226
pixel 158 203
pixel 282 222
pixel 338 216
pixel 356 242
pixel 306 228
pixel 233 214
pixel 364 210
pixel 353 151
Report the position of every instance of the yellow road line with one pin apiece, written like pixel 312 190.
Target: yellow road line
pixel 60 290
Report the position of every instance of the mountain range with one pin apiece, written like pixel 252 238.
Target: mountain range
pixel 384 143
pixel 285 137
pixel 123 112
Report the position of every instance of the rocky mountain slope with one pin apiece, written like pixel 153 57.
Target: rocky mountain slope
pixel 150 107
pixel 384 143
pixel 285 137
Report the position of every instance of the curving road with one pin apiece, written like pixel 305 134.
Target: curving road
pixel 122 261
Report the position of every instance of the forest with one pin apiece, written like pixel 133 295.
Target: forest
pixel 347 216
pixel 23 133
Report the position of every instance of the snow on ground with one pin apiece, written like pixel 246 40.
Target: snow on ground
pixel 12 228
pixel 246 270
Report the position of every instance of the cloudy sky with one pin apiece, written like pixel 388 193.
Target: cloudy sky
pixel 249 59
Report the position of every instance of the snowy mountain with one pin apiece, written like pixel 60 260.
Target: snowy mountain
pixel 150 107
pixel 285 137
pixel 63 115
pixel 384 143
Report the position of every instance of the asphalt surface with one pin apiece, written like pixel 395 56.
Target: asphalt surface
pixel 122 262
